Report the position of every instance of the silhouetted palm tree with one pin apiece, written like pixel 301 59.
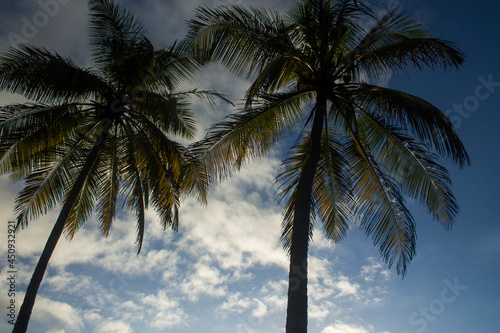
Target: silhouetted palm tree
pixel 93 135
pixel 361 148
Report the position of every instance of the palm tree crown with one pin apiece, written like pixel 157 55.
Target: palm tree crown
pixel 361 148
pixel 94 135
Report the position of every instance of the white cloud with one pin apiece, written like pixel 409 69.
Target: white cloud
pixel 205 280
pixel 234 304
pixel 260 310
pixel 324 283
pixel 345 287
pixel 237 233
pixel 56 315
pixel 114 326
pixel 340 327
pixel 373 270
pixel 163 311
pixel 319 312
pixel 92 316
pixel 275 295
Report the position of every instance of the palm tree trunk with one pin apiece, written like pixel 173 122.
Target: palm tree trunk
pixel 21 325
pixel 296 316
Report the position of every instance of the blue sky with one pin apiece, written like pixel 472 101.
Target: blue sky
pixel 225 271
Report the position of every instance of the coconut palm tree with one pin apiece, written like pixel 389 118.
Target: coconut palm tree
pixel 93 136
pixel 361 149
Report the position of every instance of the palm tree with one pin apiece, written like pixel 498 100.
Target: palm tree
pixel 361 148
pixel 94 135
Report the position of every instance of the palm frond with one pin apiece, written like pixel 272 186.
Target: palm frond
pixel 397 41
pixel 173 66
pixel 133 185
pixel 251 132
pixel 332 188
pixel 114 33
pixel 288 178
pixel 276 74
pixel 381 207
pixel 42 76
pixel 169 112
pixel 85 202
pixel 412 166
pixel 48 182
pixel 33 130
pixel 110 184
pixel 161 163
pixel 331 201
pixel 241 38
pixel 421 118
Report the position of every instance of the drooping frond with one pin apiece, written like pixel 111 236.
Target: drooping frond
pixel 411 165
pixel 133 186
pixel 332 188
pixel 331 202
pixel 112 162
pixel 163 164
pixel 424 120
pixel 47 77
pixel 380 206
pixel 48 182
pixel 84 204
pixel 251 132
pixel 288 178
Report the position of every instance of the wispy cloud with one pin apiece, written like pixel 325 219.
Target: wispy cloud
pixel 375 270
pixel 341 327
pixel 114 326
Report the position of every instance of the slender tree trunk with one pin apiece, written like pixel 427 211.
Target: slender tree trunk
pixel 21 325
pixel 296 316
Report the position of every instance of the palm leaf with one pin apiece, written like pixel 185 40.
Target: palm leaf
pixel 251 132
pixel 381 207
pixel 412 166
pixel 134 193
pixel 397 41
pixel 34 131
pixel 241 38
pixel 421 118
pixel 113 34
pixel 110 184
pixel 42 76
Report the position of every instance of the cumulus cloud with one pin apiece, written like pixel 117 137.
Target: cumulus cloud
pixel 204 280
pixel 56 315
pixel 237 233
pixel 163 311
